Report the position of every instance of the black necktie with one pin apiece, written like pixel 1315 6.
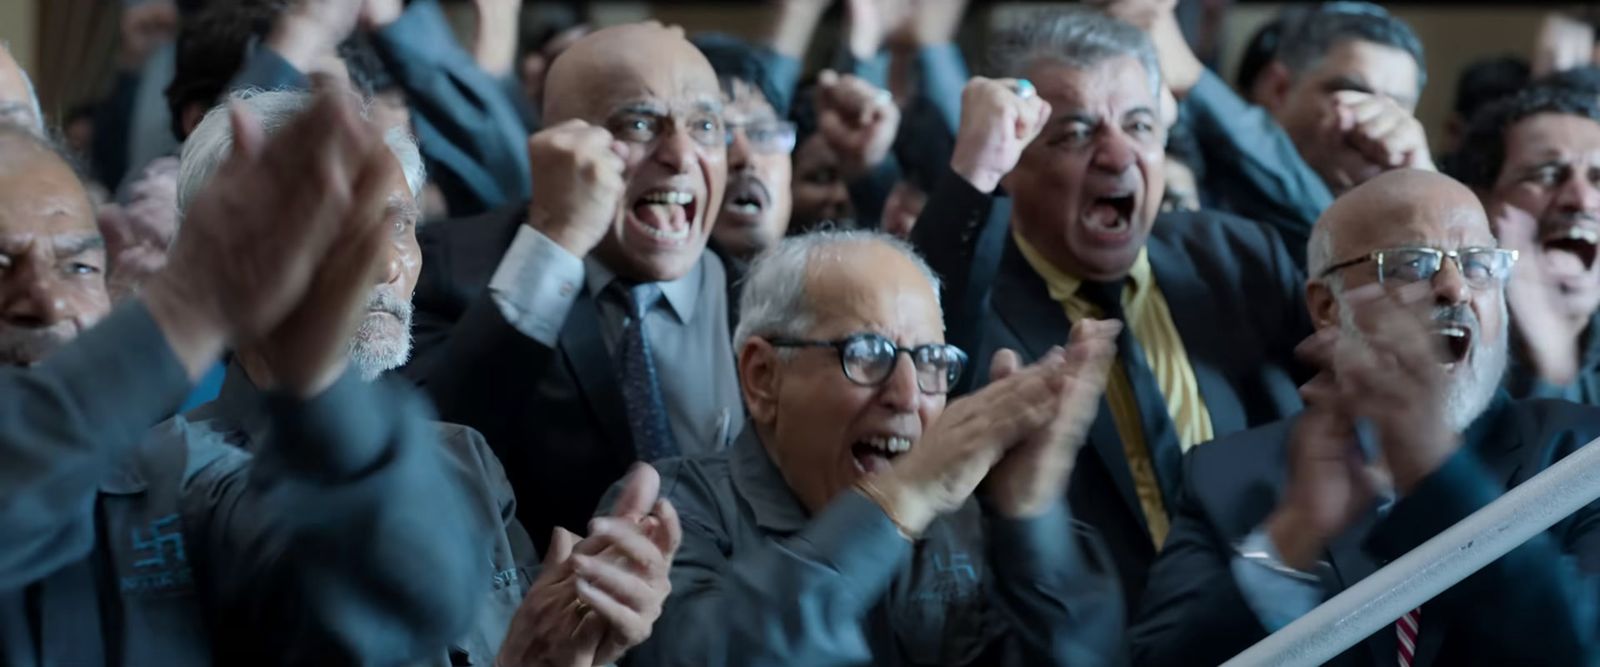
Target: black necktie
pixel 641 389
pixel 1160 436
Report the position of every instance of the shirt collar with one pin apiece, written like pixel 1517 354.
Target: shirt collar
pixel 1064 285
pixel 239 406
pixel 757 480
pixel 682 295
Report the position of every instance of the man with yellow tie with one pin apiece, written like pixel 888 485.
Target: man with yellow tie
pixel 1049 215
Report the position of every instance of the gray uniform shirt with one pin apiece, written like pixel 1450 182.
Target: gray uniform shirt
pixel 757 581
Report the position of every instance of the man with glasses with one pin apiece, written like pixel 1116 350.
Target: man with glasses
pixel 591 329
pixel 841 527
pixel 1406 432
pixel 755 211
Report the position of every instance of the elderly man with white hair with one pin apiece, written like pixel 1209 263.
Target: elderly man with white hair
pixel 381 342
pixel 841 528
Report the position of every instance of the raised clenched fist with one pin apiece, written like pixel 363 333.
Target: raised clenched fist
pixel 999 118
pixel 581 178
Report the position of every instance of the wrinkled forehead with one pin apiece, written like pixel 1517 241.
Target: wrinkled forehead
pixel 39 194
pixel 1116 84
pixel 1424 220
pixel 873 288
pixel 744 103
pixel 598 77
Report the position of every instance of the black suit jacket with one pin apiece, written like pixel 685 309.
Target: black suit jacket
pixel 1534 606
pixel 554 416
pixel 1236 297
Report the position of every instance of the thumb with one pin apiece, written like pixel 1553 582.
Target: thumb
pixel 1003 365
pixel 247 133
pixel 561 543
pixel 639 491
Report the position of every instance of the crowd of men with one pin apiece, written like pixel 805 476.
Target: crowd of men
pixel 588 350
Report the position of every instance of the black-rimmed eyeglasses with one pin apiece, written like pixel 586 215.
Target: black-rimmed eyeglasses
pixel 1481 268
pixel 869 359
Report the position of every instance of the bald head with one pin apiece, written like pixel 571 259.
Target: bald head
pixel 1404 207
pixel 622 64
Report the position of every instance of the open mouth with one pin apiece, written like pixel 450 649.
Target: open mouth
pixel 665 215
pixel 747 197
pixel 1456 342
pixel 1572 251
pixel 875 454
pixel 1110 218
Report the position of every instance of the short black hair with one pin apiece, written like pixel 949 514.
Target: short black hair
pixel 1309 39
pixel 210 51
pixel 734 59
pixel 1262 48
pixel 1487 80
pixel 368 73
pixel 1483 149
pixel 1584 79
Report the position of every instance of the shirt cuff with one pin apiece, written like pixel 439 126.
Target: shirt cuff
pixel 536 284
pixel 1276 598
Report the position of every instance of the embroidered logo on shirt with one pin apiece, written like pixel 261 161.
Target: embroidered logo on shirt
pixel 163 566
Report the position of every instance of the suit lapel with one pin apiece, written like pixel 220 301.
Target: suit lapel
pixel 1023 302
pixel 1495 438
pixel 1190 302
pixel 590 362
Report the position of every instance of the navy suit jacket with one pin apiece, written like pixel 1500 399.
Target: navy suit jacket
pixel 1236 298
pixel 1534 606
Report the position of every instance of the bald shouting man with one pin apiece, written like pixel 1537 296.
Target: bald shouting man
pixel 1408 295
pixel 529 321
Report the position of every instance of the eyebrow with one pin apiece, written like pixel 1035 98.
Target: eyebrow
pixel 1349 83
pixel 1138 111
pixel 77 245
pixel 398 206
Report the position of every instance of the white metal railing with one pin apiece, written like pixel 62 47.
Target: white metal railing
pixel 1374 603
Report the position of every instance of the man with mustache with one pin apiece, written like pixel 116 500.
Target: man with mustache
pixel 1405 433
pixel 381 341
pixel 590 329
pixel 126 545
pixel 844 527
pixel 1534 159
pixel 755 212
pixel 1050 215
pixel 50 251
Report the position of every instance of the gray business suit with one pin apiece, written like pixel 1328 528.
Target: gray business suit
pixel 341 542
pixel 758 582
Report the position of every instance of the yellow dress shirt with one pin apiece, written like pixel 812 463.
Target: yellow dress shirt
pixel 1152 326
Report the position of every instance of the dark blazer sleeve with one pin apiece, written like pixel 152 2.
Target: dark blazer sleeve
pixel 64 424
pixel 467 127
pixel 266 70
pixel 1058 590
pixel 346 540
pixel 961 233
pixel 1253 166
pixel 1543 594
pixel 1193 612
pixel 113 120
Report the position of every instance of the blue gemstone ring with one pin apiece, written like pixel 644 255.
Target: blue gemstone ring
pixel 1024 88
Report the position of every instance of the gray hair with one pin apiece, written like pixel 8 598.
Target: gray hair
pixel 1074 36
pixel 1319 250
pixel 1308 38
pixel 27 83
pixel 212 140
pixel 772 301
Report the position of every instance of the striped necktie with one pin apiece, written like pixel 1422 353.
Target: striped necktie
pixel 1406 628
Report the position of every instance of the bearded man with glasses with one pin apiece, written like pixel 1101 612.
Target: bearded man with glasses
pixel 842 527
pixel 1406 432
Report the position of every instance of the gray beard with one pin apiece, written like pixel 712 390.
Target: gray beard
pixel 1472 385
pixel 377 346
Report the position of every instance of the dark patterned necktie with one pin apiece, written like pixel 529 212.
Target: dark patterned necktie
pixel 641 389
pixel 1160 435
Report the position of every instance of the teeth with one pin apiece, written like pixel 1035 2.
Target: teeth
pixel 669 197
pixel 1453 332
pixel 891 444
pixel 1584 234
pixel 749 208
pixel 667 235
